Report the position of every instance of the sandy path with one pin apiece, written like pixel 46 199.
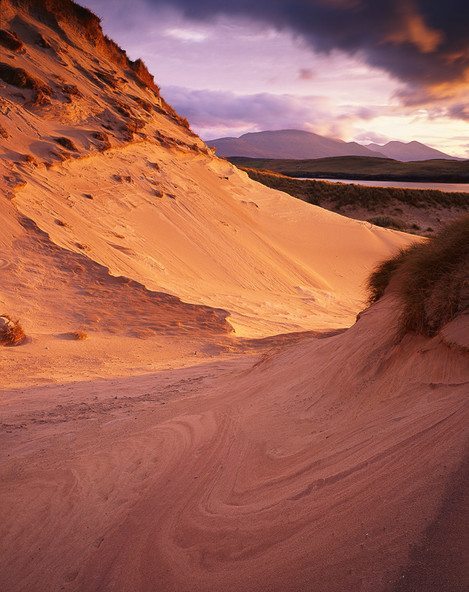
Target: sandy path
pixel 268 473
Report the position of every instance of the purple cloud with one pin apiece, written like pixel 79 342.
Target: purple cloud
pixel 421 42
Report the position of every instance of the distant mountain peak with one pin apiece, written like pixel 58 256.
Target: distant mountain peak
pixel 287 143
pixel 409 151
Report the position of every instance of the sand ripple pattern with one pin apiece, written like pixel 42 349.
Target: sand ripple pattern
pixel 273 477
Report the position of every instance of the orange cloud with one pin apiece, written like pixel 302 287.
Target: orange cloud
pixel 415 31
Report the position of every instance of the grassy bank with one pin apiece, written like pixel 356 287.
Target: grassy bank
pixel 414 210
pixel 363 167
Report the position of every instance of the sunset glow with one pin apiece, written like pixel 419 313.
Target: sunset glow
pixel 236 69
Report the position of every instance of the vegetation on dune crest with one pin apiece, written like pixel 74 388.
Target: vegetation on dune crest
pixel 388 222
pixel 432 279
pixel 65 15
pixel 372 198
pixel 379 203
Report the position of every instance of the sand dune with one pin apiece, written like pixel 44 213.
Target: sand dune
pixel 210 236
pixel 158 207
pixel 221 427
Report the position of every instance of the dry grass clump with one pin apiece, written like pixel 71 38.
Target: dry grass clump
pixel 388 222
pixel 432 279
pixel 381 276
pixel 11 332
pixel 78 335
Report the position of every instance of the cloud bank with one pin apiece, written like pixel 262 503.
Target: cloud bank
pixel 423 43
pixel 218 113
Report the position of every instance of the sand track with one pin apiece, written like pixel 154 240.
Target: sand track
pixel 279 476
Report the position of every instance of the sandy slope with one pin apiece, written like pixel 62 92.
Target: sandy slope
pixel 213 237
pixel 167 452
pixel 158 207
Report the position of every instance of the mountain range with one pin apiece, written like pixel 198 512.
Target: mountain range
pixel 299 144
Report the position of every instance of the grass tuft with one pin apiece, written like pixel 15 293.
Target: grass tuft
pixel 431 278
pixel 388 222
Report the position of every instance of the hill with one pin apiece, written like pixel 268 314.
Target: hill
pixel 295 144
pixel 409 151
pixel 357 167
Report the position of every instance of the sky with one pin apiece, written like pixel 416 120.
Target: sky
pixel 358 70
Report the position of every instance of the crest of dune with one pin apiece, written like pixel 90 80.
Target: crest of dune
pixel 193 406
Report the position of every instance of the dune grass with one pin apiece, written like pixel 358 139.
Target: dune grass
pixel 431 278
pixel 377 205
pixel 388 222
pixel 370 198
